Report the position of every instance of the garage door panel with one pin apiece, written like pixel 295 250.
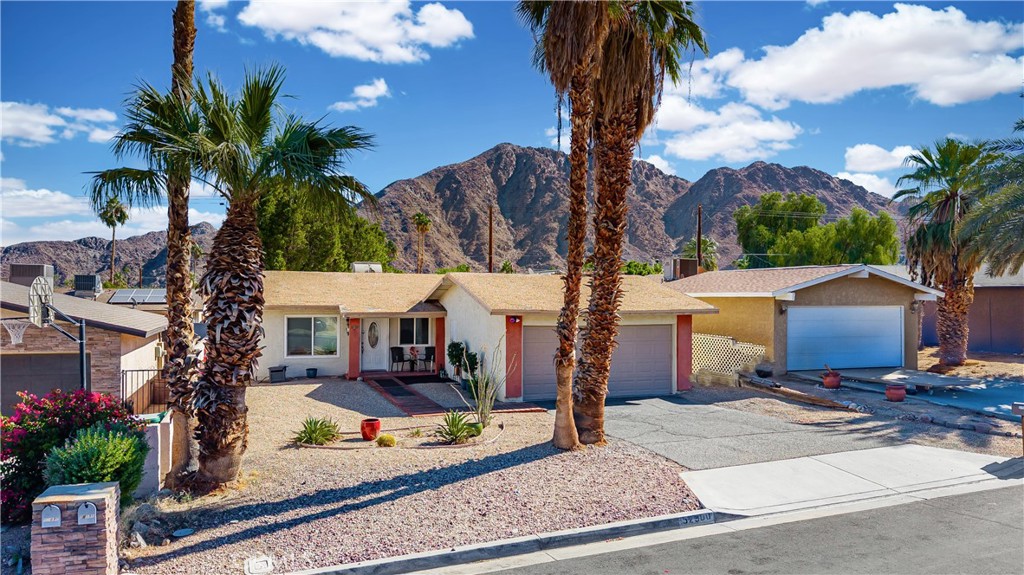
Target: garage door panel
pixel 844 337
pixel 539 346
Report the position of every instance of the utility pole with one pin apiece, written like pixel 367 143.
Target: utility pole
pixel 700 252
pixel 490 238
pixel 140 277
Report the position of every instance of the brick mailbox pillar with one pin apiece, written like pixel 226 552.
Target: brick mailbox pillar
pixel 74 530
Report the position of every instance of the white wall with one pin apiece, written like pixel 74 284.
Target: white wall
pixel 274 348
pixel 138 353
pixel 470 323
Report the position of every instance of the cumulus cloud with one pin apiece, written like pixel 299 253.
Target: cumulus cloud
pixel 210 8
pixel 706 78
pixel 734 133
pixel 19 202
pixel 364 96
pixel 661 163
pixel 387 33
pixel 30 125
pixel 552 135
pixel 872 158
pixel 870 182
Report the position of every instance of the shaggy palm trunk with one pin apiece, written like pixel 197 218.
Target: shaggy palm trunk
pixel 582 105
pixel 113 252
pixel 181 367
pixel 614 163
pixel 233 285
pixel 951 322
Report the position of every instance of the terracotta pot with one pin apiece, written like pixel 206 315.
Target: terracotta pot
pixel 895 392
pixel 370 428
pixel 831 380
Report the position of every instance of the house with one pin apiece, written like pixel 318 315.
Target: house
pixel 347 324
pixel 846 316
pixel 117 340
pixel 996 318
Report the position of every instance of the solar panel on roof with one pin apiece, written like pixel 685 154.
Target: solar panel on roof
pixel 138 296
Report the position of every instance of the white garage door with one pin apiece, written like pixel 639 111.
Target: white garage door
pixel 844 337
pixel 641 364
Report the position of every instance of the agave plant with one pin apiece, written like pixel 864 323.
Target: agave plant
pixel 454 429
pixel 317 431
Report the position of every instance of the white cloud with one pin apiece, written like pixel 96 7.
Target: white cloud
pixel 41 203
pixel 140 221
pixel 102 135
pixel 12 184
pixel 872 158
pixel 816 2
pixel 940 55
pixel 871 182
pixel 210 8
pixel 36 124
pixel 566 139
pixel 706 78
pixel 661 163
pixel 735 133
pixel 386 33
pixel 364 96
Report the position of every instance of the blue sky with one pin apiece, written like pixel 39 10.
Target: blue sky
pixel 848 88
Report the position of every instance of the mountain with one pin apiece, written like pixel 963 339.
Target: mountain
pixel 528 188
pixel 92 255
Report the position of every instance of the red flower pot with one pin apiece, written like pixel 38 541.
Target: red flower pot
pixel 370 428
pixel 831 380
pixel 895 392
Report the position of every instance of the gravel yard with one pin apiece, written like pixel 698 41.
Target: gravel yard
pixel 980 364
pixel 314 507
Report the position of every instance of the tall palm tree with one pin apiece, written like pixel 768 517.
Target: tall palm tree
pixel 569 38
pixel 947 182
pixel 112 215
pixel 708 252
pixel 422 223
pixel 646 42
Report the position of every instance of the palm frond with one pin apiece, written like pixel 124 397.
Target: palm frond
pixel 133 186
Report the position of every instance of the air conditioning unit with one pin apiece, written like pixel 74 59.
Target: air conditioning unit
pixel 89 285
pixel 24 274
pixel 366 268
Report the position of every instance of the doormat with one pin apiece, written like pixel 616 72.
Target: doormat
pixel 410 379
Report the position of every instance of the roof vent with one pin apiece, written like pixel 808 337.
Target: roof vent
pixel 24 274
pixel 366 268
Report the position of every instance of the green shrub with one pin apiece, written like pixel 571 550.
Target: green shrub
pixel 386 440
pixel 318 431
pixel 456 350
pixel 416 433
pixel 454 429
pixel 97 455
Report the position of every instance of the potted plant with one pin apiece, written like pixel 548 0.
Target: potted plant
pixel 895 392
pixel 311 372
pixel 369 428
pixel 456 350
pixel 830 379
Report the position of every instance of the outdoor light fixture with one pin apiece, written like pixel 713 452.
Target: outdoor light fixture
pixel 782 309
pixel 914 306
pixel 514 319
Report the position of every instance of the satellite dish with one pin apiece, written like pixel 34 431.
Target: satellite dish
pixel 40 295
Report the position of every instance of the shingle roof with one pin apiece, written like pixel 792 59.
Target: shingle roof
pixel 353 293
pixel 981 277
pixel 771 282
pixel 527 293
pixel 96 314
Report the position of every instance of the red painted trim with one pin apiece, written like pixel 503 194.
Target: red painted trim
pixel 514 357
pixel 684 351
pixel 354 339
pixel 440 345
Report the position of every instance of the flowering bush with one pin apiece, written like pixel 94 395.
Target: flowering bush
pixel 37 426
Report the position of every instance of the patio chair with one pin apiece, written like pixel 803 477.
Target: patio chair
pixel 398 356
pixel 429 357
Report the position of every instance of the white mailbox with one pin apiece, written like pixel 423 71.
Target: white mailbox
pixel 87 514
pixel 51 516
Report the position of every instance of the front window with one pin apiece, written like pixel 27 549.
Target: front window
pixel 414 331
pixel 309 336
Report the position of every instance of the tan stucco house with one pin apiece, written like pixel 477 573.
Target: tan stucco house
pixel 846 316
pixel 351 324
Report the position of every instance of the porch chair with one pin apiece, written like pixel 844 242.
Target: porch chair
pixel 398 356
pixel 429 357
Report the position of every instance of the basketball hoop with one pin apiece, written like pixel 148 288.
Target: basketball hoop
pixel 40 295
pixel 16 329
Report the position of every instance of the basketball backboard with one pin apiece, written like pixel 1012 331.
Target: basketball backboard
pixel 40 295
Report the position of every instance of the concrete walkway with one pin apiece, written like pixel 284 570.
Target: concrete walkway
pixel 699 436
pixel 820 480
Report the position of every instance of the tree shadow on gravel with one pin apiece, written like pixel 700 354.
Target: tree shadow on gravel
pixel 343 500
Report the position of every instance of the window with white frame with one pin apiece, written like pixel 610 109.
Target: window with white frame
pixel 414 331
pixel 312 336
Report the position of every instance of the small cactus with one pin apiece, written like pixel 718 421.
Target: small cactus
pixel 386 440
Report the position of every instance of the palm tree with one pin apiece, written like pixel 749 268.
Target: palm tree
pixel 996 224
pixel 422 223
pixel 646 42
pixel 569 39
pixel 112 215
pixel 708 252
pixel 948 181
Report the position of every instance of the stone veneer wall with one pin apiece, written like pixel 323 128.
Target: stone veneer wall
pixel 73 549
pixel 103 346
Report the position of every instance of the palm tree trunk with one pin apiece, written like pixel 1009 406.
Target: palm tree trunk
pixel 951 322
pixel 614 163
pixel 582 106
pixel 233 284
pixel 181 366
pixel 113 245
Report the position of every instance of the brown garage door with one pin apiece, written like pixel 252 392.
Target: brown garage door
pixel 641 364
pixel 37 373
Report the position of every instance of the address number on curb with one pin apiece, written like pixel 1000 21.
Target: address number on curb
pixel 696 519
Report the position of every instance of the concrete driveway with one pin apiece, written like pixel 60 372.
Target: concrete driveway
pixel 699 436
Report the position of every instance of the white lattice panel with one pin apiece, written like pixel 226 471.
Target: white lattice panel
pixel 723 354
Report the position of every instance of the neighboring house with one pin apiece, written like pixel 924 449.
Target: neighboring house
pixel 116 339
pixel 346 324
pixel 996 318
pixel 846 316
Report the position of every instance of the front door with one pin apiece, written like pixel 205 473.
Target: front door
pixel 375 344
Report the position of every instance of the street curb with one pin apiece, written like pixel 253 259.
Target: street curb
pixel 516 546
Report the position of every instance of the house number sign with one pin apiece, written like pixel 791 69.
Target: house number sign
pixel 87 514
pixel 51 516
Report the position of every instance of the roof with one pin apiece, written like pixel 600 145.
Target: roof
pixel 981 277
pixel 152 300
pixel 353 293
pixel 96 314
pixel 529 293
pixel 775 282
